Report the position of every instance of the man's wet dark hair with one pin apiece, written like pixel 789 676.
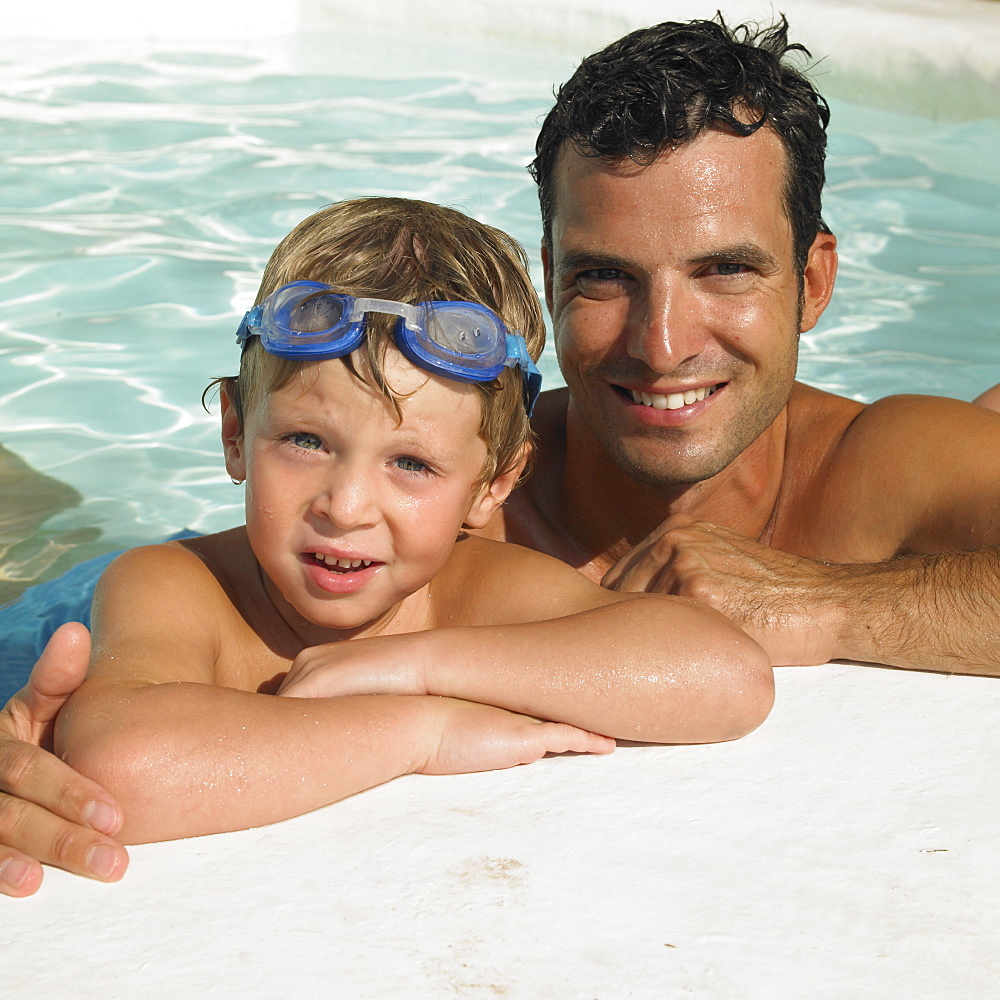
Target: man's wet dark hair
pixel 660 87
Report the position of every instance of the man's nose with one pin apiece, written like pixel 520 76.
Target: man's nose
pixel 666 328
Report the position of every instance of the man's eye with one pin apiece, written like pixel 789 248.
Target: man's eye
pixel 409 464
pixel 601 274
pixel 303 440
pixel 730 267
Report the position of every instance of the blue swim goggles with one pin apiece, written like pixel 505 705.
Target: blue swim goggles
pixel 459 340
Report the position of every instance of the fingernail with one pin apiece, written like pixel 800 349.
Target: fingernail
pixel 102 817
pixel 102 860
pixel 13 872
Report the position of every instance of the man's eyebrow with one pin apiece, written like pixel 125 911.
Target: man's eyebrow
pixel 740 253
pixel 577 260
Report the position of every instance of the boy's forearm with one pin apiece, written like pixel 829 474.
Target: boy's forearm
pixel 189 759
pixel 632 670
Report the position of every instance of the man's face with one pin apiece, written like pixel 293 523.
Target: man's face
pixel 675 302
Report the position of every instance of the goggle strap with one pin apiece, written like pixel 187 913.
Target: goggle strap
pixel 517 354
pixel 249 326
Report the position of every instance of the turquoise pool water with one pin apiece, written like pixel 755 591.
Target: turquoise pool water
pixel 139 202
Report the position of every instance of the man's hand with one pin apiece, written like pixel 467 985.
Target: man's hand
pixel 48 813
pixel 783 601
pixel 385 664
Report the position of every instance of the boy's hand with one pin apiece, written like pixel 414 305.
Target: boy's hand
pixel 48 812
pixel 387 664
pixel 475 737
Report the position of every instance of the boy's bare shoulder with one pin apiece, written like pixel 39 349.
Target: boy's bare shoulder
pixel 486 582
pixel 164 604
pixel 175 572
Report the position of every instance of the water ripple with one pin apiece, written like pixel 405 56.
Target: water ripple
pixel 138 204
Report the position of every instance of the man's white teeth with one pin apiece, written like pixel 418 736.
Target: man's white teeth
pixel 673 400
pixel 342 563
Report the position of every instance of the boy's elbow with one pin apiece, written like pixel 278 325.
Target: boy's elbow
pixel 731 695
pixel 117 755
pixel 755 697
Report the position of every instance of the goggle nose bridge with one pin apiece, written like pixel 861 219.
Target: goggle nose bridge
pixel 410 314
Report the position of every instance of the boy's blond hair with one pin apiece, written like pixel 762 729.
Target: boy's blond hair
pixel 410 251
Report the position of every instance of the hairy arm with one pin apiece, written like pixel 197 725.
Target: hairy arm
pixel 185 756
pixel 656 669
pixel 911 481
pixel 933 612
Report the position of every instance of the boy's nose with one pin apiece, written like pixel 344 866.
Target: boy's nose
pixel 346 503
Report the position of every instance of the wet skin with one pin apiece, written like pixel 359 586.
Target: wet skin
pixel 669 279
pixel 351 511
pixel 673 278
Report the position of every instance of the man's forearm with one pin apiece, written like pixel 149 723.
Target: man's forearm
pixel 933 612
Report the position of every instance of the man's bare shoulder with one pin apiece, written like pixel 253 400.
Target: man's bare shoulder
pixel 906 432
pixel 902 474
pixel 533 514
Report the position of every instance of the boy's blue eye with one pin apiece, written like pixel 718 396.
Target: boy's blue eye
pixel 304 440
pixel 409 464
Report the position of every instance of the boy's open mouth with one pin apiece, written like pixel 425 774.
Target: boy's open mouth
pixel 342 566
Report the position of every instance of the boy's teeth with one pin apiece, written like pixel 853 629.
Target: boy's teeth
pixel 342 563
pixel 673 400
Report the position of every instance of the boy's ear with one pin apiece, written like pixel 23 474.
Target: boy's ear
pixel 485 505
pixel 232 437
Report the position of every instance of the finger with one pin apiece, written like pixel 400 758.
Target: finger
pixel 623 574
pixel 19 874
pixel 30 834
pixel 35 776
pixel 564 738
pixel 60 670
pixel 642 571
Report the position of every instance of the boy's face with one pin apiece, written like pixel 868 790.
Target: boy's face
pixel 350 510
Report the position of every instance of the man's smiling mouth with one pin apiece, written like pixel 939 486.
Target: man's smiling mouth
pixel 673 400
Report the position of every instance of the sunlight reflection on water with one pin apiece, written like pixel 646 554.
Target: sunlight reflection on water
pixel 138 204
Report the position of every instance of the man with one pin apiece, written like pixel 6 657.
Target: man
pixel 679 176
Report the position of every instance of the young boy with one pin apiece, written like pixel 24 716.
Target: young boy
pixel 353 630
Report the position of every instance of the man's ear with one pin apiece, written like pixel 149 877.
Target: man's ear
pixel 817 281
pixel 485 505
pixel 232 436
pixel 547 276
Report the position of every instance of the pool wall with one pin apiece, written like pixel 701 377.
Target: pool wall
pixel 939 58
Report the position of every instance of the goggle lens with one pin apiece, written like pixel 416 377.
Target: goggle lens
pixel 317 314
pixel 457 331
